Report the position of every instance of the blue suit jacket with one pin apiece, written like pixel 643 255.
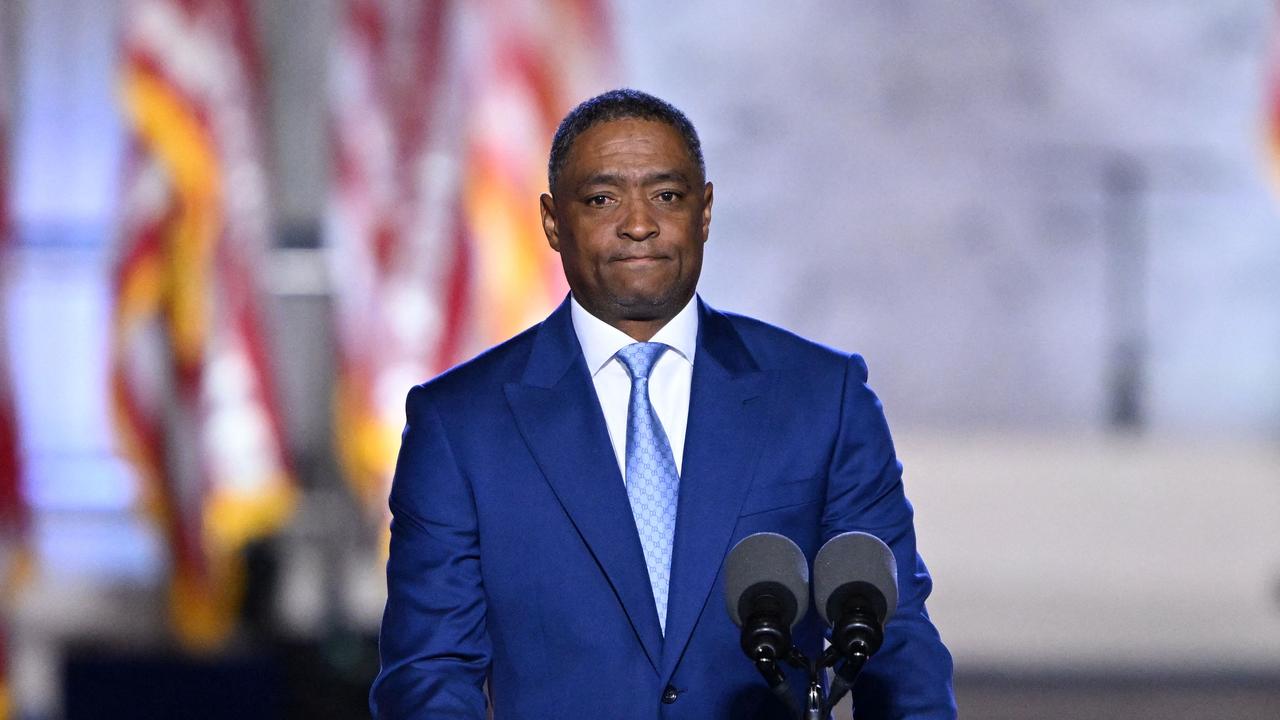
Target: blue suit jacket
pixel 515 559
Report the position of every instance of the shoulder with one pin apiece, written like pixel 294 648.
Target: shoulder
pixel 776 348
pixel 482 376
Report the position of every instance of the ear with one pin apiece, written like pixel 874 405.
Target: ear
pixel 547 205
pixel 707 197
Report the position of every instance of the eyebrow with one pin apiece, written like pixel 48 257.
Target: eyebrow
pixel 617 179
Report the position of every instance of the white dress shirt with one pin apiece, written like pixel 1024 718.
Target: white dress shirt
pixel 669 381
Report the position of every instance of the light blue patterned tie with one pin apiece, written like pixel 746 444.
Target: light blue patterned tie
pixel 652 480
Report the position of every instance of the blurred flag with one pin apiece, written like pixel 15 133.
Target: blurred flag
pixel 190 379
pixel 13 509
pixel 399 266
pixel 442 119
pixel 1272 101
pixel 532 62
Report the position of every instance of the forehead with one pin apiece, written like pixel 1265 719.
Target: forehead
pixel 626 143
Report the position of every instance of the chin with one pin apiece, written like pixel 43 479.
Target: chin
pixel 641 307
pixel 648 306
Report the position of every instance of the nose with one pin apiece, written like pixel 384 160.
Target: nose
pixel 637 222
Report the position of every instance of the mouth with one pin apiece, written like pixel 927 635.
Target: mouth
pixel 639 259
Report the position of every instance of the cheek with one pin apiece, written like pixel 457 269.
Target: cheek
pixel 590 242
pixel 586 264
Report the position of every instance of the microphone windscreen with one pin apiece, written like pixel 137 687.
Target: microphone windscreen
pixel 765 558
pixel 854 557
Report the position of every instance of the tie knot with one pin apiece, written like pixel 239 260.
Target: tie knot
pixel 640 357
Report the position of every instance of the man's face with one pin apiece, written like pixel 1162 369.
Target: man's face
pixel 629 217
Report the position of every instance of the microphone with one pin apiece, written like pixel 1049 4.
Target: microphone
pixel 855 581
pixel 766 587
pixel 766 592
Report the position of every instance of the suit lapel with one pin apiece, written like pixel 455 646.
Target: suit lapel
pixel 556 409
pixel 722 442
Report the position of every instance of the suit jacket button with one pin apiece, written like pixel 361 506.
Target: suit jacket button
pixel 669 695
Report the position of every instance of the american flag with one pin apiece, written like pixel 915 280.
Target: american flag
pixel 532 62
pixel 193 395
pixel 399 263
pixel 1271 101
pixel 14 556
pixel 442 117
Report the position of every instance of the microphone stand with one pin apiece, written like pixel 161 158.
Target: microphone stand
pixel 777 681
pixel 854 639
pixel 818 705
pixel 858 637
pixel 766 639
pixel 814 698
pixel 815 702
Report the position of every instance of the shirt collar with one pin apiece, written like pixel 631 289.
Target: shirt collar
pixel 600 341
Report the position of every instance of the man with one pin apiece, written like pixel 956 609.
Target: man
pixel 563 504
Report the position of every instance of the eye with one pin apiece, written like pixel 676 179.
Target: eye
pixel 668 196
pixel 598 200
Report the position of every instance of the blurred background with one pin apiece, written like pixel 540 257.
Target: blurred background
pixel 236 232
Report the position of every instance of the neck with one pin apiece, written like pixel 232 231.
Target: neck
pixel 640 330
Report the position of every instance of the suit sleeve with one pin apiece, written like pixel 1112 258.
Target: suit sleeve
pixel 910 677
pixel 434 646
